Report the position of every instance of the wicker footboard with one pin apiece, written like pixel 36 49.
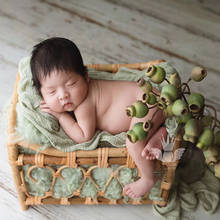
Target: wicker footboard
pixel 56 161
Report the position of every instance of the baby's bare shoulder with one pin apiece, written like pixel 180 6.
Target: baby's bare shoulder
pixel 121 89
pixel 123 85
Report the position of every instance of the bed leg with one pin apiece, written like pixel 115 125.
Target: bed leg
pixel 13 156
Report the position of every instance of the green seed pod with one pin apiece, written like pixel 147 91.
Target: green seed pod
pixel 161 104
pixel 147 125
pixel 217 138
pixel 205 139
pixel 144 85
pixel 175 80
pixel 168 111
pixel 206 121
pixel 192 130
pixel 198 74
pixel 159 76
pixel 179 108
pixel 169 94
pixel 184 118
pixel 151 70
pixel 136 133
pixel 137 109
pixel 149 98
pixel 196 102
pixel 217 170
pixel 211 155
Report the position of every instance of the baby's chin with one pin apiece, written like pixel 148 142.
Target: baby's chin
pixel 68 107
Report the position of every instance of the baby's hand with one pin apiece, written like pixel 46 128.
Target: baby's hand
pixel 45 108
pixel 154 146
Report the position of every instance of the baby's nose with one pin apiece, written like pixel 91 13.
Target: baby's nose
pixel 63 96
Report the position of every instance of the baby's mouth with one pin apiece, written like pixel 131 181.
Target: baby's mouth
pixel 67 105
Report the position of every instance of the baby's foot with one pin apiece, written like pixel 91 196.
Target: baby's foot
pixel 139 188
pixel 153 148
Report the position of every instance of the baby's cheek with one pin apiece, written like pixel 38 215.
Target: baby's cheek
pixel 52 103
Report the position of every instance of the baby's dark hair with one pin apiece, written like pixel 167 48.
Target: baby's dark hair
pixel 55 54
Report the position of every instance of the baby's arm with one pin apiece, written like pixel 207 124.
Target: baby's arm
pixel 80 131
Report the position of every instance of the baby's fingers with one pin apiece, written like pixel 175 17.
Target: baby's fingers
pixel 150 156
pixel 145 151
pixel 46 109
pixel 43 105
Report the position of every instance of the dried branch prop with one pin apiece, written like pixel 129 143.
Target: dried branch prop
pixel 189 109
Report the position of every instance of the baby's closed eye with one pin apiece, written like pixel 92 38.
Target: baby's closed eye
pixel 51 91
pixel 70 84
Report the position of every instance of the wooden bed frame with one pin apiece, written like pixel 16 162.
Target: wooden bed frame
pixel 100 157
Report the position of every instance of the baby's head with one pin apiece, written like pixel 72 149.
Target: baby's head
pixel 59 74
pixel 55 54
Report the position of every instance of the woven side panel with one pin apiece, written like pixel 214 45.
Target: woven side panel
pixel 39 162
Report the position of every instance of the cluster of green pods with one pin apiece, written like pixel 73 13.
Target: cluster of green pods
pixel 140 108
pixel 140 130
pixel 175 101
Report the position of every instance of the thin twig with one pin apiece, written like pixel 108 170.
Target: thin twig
pixel 185 101
pixel 155 93
pixel 186 86
pixel 217 122
pixel 167 80
pixel 215 115
pixel 152 106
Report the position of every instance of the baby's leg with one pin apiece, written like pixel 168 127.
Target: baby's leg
pixel 146 167
pixel 153 143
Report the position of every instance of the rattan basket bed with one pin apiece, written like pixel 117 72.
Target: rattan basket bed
pixel 100 157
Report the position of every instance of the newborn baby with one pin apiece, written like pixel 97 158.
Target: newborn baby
pixel 62 80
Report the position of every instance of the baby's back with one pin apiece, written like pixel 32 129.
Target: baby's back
pixel 113 98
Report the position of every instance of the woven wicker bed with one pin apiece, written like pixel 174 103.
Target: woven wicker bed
pixel 101 157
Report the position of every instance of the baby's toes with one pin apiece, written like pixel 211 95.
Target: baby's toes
pixel 131 194
pixel 126 188
pixel 128 191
